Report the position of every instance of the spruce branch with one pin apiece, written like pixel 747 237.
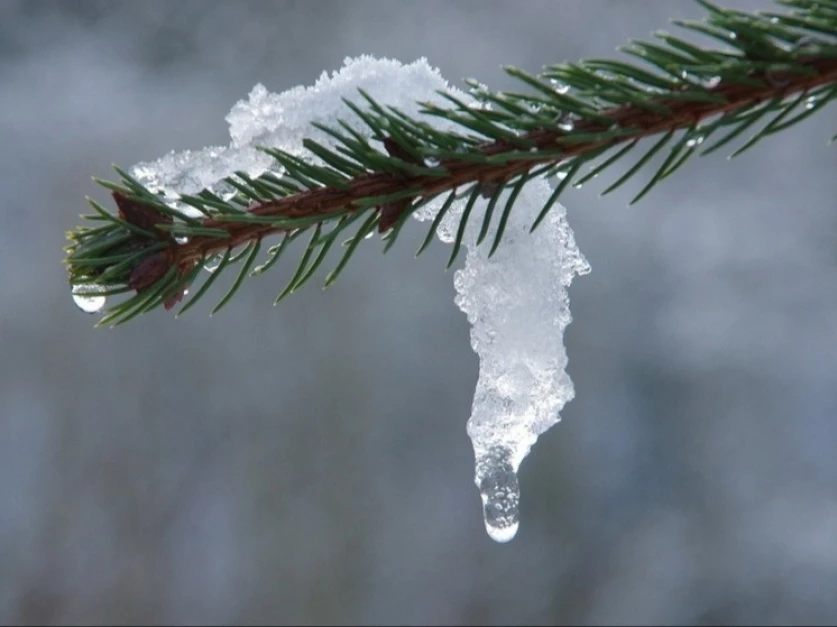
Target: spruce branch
pixel 777 69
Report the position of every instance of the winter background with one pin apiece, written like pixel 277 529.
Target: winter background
pixel 309 463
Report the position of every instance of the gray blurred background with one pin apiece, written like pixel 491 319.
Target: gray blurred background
pixel 309 463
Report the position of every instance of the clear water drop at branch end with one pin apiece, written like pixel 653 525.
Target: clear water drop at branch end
pixel 500 493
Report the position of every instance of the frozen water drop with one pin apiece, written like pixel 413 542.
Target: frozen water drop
pixel 88 297
pixel 566 125
pixel 695 141
pixel 500 493
pixel 810 102
pixel 502 534
pixel 500 505
pixel 181 239
pixel 369 235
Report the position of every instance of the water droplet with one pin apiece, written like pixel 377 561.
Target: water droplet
pixel 500 493
pixel 181 239
pixel 811 102
pixel 561 88
pixel 88 297
pixel 211 264
pixel 369 235
pixel 695 141
pixel 566 125
pixel 710 81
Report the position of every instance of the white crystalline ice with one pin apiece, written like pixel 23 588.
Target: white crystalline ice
pixel 518 307
pixel 516 301
pixel 284 120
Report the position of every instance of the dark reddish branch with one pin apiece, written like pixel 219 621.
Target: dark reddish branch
pixel 323 201
pixel 391 211
pixel 140 215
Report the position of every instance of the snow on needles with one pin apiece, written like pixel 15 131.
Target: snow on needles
pixel 516 301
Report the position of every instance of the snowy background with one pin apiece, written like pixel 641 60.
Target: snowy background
pixel 309 463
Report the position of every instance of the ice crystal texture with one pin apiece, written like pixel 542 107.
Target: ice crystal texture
pixel 518 307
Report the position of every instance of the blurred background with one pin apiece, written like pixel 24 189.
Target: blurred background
pixel 309 463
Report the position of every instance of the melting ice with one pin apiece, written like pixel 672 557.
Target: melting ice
pixel 518 307
pixel 516 301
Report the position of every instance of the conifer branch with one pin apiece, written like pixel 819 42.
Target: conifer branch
pixel 780 68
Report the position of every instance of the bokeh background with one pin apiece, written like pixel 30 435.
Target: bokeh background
pixel 308 463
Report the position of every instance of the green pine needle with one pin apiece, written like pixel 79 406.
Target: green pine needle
pixel 777 67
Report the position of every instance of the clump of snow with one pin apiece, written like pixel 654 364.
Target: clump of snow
pixel 516 301
pixel 284 120
pixel 518 307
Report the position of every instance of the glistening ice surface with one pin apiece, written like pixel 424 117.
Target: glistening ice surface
pixel 518 307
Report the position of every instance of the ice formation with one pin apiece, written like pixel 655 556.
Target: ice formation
pixel 518 307
pixel 516 301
